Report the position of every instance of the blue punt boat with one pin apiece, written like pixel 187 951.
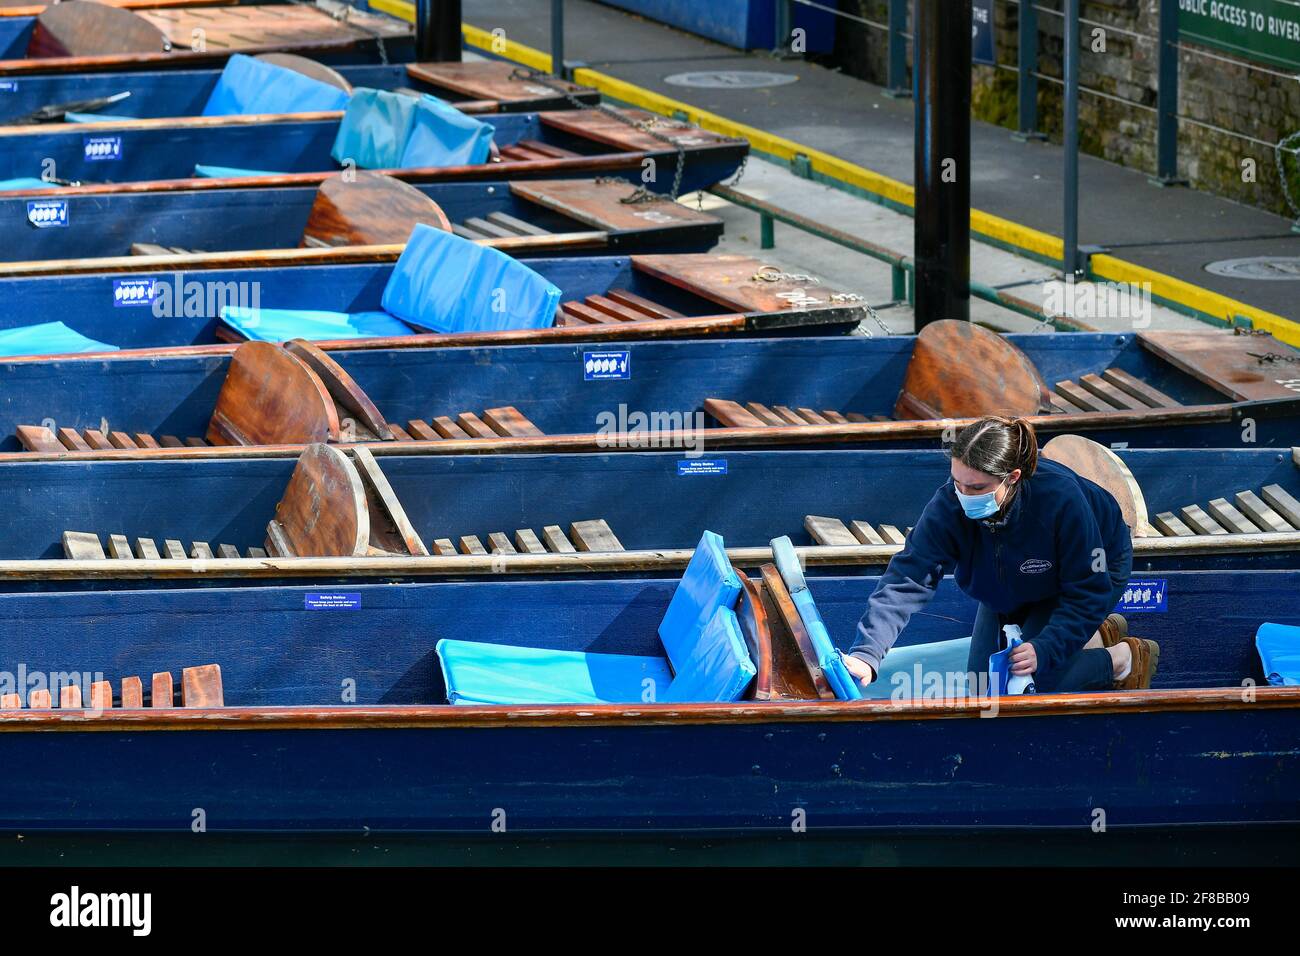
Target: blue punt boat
pixel 71 38
pixel 1168 389
pixel 488 86
pixel 590 515
pixel 316 718
pixel 185 231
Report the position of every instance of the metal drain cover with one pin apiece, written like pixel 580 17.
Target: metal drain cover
pixel 1269 268
pixel 730 79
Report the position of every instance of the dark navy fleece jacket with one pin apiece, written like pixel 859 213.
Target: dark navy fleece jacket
pixel 1049 544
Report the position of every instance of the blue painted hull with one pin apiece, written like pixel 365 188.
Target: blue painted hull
pixel 172 152
pixel 850 373
pixel 454 496
pixel 1189 752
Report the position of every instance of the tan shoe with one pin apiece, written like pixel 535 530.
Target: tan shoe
pixel 1113 630
pixel 1146 655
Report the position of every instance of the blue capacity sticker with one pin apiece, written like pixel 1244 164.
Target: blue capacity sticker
pixel 1149 595
pixel 132 291
pixel 331 600
pixel 702 466
pixel 8 86
pixel 603 365
pixel 99 148
pixel 43 213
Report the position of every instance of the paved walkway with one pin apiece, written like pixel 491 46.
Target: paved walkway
pixel 1172 231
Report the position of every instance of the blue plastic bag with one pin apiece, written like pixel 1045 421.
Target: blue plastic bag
pixel 248 85
pixel 448 284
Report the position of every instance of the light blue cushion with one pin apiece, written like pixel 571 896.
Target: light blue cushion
pixel 97 117
pixel 448 284
pixel 280 325
pixel 478 673
pixel 25 182
pixel 442 135
pixel 1279 652
pixel 248 85
pixel 204 171
pixel 374 129
pixel 844 684
pixel 708 584
pixel 718 668
pixel 48 338
pixel 942 665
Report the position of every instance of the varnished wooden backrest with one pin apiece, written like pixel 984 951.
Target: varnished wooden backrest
pixel 271 397
pixel 83 28
pixel 757 631
pixel 959 370
pixel 347 394
pixel 374 209
pixel 324 512
pixel 796 675
pixel 307 67
pixel 1102 466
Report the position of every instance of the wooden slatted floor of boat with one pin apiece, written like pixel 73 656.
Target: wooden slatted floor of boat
pixel 200 686
pixel 534 149
pixel 243 27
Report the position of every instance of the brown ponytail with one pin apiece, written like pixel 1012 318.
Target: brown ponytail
pixel 997 446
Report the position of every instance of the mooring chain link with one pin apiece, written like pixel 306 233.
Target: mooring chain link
pixel 774 274
pixel 343 14
pixel 1272 358
pixel 644 126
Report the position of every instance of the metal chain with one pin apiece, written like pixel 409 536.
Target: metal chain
pixel 1284 145
pixel 343 14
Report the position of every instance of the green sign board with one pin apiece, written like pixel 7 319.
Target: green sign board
pixel 1264 30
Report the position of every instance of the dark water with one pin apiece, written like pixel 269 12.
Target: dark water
pixel 1211 847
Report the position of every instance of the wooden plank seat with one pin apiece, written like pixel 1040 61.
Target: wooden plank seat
pixel 592 535
pixel 496 225
pixel 200 686
pixel 835 533
pixel 617 305
pixel 1114 390
pixel 531 149
pixel 86 546
pixel 1271 510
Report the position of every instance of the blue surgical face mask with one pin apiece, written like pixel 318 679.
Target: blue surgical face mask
pixel 980 506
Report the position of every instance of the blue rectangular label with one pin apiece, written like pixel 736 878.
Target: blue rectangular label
pixel 8 86
pixel 604 365
pixel 132 291
pixel 331 600
pixel 702 466
pixel 98 148
pixel 1147 595
pixel 44 213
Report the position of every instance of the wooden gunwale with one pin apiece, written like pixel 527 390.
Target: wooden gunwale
pixel 180 122
pixel 715 437
pixel 453 716
pixel 649 559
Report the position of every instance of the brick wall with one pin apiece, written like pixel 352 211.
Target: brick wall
pixel 1235 98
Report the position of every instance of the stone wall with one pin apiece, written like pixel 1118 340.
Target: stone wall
pixel 1258 104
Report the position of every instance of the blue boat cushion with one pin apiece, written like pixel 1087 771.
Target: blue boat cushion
pixel 280 325
pixel 717 669
pixel 1279 652
pixel 708 584
pixel 384 130
pixel 248 85
pixel 442 135
pixel 204 171
pixel 97 117
pixel 48 338
pixel 941 674
pixel 448 284
pixel 25 182
pixel 478 673
pixel 829 659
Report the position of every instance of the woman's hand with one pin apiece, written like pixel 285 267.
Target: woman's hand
pixel 859 669
pixel 1024 660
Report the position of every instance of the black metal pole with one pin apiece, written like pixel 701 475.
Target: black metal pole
pixel 1071 137
pixel 557 40
pixel 941 57
pixel 437 30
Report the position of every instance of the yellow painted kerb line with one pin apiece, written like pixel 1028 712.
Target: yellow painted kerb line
pixel 1163 287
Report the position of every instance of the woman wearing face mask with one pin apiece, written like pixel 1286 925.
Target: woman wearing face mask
pixel 1036 545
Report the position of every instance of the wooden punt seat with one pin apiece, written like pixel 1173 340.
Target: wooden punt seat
pixel 86 546
pixel 616 305
pixel 1114 390
pixel 200 686
pixel 57 440
pixel 1102 466
pixel 531 149
pixel 757 415
pixel 833 532
pixel 592 535
pixel 794 671
pixel 503 422
pixel 1273 510
pixel 366 209
pixel 496 225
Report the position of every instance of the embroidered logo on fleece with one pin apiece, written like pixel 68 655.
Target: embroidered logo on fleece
pixel 1035 566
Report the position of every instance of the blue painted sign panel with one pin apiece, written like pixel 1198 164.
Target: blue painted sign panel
pixel 331 600
pixel 702 466
pixel 1151 594
pixel 99 148
pixel 43 213
pixel 606 365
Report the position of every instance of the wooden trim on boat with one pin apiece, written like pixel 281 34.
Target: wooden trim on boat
pixel 715 437
pixel 36 9
pixel 455 716
pixel 178 122
pixel 577 562
pixel 275 258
